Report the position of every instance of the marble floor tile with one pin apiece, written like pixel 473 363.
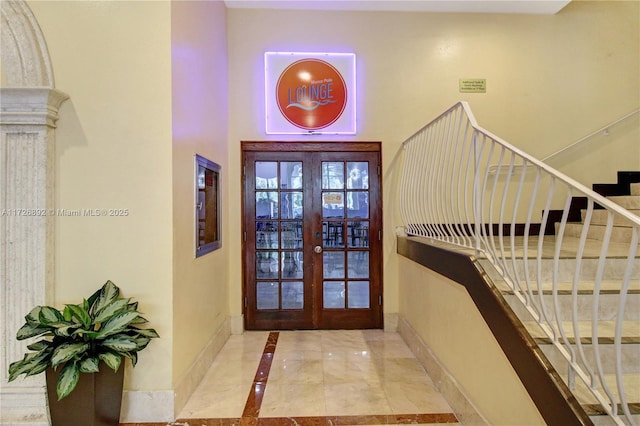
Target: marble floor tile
pixel 389 349
pixel 415 397
pixel 356 398
pixel 403 370
pixel 306 372
pixel 284 399
pixel 220 401
pixel 308 378
pixel 349 367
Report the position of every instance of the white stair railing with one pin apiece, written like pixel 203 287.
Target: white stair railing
pixel 462 185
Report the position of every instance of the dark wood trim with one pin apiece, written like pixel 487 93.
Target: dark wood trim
pixel 550 394
pixel 316 146
pixel 314 152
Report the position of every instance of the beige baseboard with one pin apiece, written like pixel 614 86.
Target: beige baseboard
pixel 464 410
pixel 164 406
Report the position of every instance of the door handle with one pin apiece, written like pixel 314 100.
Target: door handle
pixel 317 249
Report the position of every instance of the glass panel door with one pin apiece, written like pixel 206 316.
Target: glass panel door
pixel 308 249
pixel 349 296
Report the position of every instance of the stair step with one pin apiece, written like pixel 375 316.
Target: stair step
pixel 596 409
pixel 608 189
pixel 600 217
pixel 629 202
pixel 606 331
pixel 619 234
pixel 599 417
pixel 631 384
pixel 584 287
pixel 630 352
pixel 564 271
pixel 608 306
pixel 627 177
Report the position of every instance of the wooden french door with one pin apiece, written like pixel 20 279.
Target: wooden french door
pixel 312 226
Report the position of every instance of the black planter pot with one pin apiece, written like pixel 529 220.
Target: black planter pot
pixel 95 401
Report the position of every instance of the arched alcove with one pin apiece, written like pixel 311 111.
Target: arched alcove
pixel 25 58
pixel 29 105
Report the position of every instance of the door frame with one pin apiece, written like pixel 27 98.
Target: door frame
pixel 316 146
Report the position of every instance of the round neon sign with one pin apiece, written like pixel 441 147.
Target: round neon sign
pixel 311 94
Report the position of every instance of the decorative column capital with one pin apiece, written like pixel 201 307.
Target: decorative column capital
pixel 30 106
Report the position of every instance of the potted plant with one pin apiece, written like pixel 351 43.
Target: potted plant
pixel 105 327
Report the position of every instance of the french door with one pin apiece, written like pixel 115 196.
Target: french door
pixel 312 226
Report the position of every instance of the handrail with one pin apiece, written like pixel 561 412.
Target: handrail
pixel 590 135
pixel 449 192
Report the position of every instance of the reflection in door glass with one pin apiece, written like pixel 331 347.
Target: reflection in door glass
pixel 333 295
pixel 291 175
pixel 333 175
pixel 333 264
pixel 291 205
pixel 332 204
pixel 292 295
pixel 267 295
pixel 266 174
pixel 358 294
pixel 333 234
pixel 291 235
pixel 266 205
pixel 358 264
pixel 358 175
pixel 266 235
pixel 357 204
pixel 358 234
pixel 267 264
pixel 292 264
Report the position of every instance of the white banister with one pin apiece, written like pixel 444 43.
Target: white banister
pixel 465 186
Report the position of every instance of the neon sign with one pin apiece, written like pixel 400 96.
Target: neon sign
pixel 310 93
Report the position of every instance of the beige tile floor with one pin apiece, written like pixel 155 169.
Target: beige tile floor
pixel 361 375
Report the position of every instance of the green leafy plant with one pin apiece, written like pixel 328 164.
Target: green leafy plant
pixel 104 327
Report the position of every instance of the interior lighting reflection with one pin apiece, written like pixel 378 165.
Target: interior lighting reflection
pixel 304 75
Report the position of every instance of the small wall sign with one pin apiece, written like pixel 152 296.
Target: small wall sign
pixel 310 93
pixel 473 85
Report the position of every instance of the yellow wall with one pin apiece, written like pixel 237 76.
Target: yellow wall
pixel 113 151
pixel 200 118
pixel 445 318
pixel 550 81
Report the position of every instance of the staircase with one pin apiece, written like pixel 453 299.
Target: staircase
pixel 466 187
pixel 625 193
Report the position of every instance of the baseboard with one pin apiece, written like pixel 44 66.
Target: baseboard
pixel 463 408
pixel 185 387
pixel 147 406
pixel 237 324
pixel 164 406
pixel 391 322
pixel 24 406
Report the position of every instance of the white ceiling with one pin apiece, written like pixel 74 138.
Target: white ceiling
pixel 546 7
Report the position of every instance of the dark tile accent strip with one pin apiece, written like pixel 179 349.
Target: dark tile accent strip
pixel 381 419
pixel 550 394
pixel 254 400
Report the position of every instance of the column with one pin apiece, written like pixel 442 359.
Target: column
pixel 27 175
